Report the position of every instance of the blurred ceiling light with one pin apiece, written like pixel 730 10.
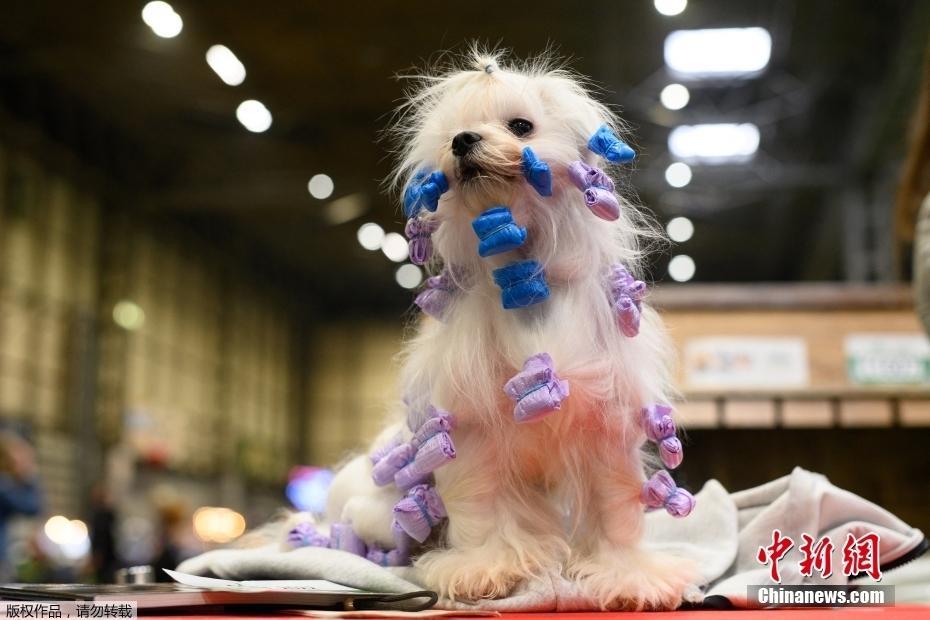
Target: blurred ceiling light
pixel 162 19
pixel 681 268
pixel 678 174
pixel 675 96
pixel 56 528
pixel 394 247
pixel 670 7
pixel 679 229
pixel 714 143
pixel 218 525
pixel 345 209
pixel 225 64
pixel 320 186
pixel 718 52
pixel 253 115
pixel 370 236
pixel 409 276
pixel 128 315
pixel 70 535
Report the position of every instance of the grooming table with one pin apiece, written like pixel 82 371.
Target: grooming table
pixel 909 612
pixel 904 612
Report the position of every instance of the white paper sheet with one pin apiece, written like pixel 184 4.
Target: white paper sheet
pixel 296 585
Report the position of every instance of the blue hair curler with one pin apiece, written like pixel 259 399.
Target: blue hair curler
pixel 424 191
pixel 606 144
pixel 537 172
pixel 432 188
pixel 522 284
pixel 497 232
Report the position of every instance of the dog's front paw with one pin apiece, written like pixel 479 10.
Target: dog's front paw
pixel 632 579
pixel 471 574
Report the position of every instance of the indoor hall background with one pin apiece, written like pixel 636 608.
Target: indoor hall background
pixel 205 383
pixel 178 311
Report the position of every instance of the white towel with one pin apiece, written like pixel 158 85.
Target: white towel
pixel 722 535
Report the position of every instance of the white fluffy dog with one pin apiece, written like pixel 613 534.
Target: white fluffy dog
pixel 561 493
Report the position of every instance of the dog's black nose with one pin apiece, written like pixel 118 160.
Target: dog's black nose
pixel 464 142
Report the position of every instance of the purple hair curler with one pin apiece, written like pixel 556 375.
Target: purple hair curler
pixel 419 232
pixel 382 451
pixel 626 296
pixel 431 455
pixel 305 534
pixel 598 190
pixel 344 538
pixel 660 491
pixel 660 428
pixel 437 421
pixel 384 470
pixel 537 390
pixel 419 512
pixel 437 296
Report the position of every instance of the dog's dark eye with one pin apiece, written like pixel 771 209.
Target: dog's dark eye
pixel 520 127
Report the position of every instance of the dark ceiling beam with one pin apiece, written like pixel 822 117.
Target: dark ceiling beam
pixel 879 130
pixel 764 112
pixel 740 184
pixel 70 138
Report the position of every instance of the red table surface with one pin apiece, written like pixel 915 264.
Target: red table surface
pixel 861 613
pixel 904 612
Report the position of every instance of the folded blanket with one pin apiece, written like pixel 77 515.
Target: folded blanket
pixel 722 535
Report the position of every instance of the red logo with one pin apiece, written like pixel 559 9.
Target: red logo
pixel 816 557
pixel 774 552
pixel 860 555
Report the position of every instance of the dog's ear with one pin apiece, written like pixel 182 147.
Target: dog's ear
pixel 572 101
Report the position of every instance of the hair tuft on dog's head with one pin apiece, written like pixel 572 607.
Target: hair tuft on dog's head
pixel 471 99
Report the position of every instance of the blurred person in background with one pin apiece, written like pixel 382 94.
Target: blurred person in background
pixel 103 535
pixel 170 553
pixel 19 488
pixel 914 198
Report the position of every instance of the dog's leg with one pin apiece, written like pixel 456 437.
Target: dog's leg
pixel 499 532
pixel 355 499
pixel 608 559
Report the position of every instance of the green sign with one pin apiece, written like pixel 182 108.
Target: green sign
pixel 888 359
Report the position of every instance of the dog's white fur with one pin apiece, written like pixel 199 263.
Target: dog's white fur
pixel 561 493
